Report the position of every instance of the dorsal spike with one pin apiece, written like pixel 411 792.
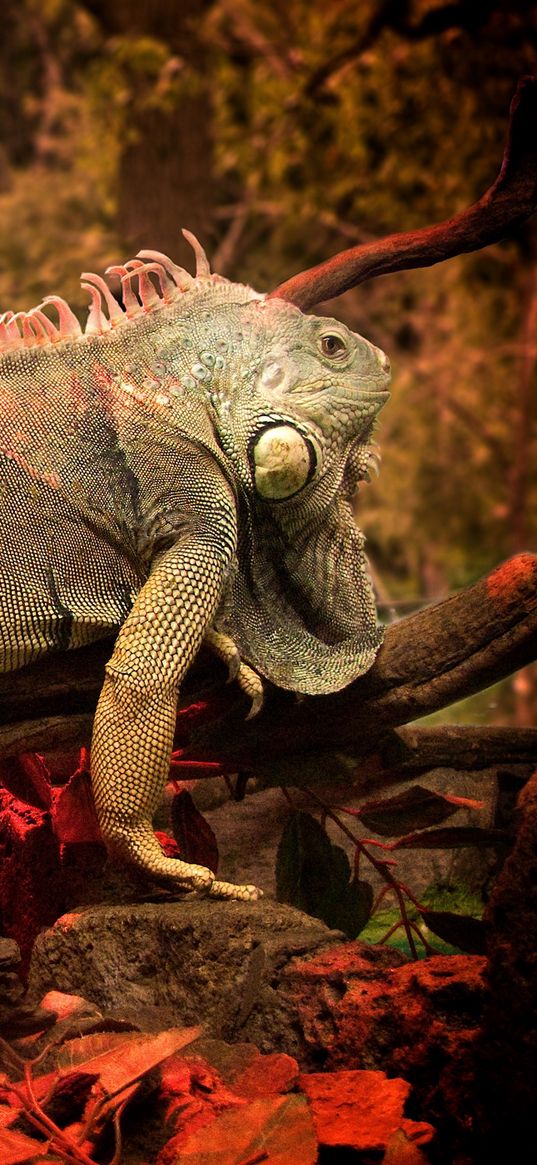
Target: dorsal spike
pixel 146 289
pixel 182 279
pixel 203 270
pixel 46 324
pixel 32 332
pixel 116 313
pixel 13 326
pixel 132 307
pixel 69 326
pixel 9 330
pixel 169 290
pixel 97 322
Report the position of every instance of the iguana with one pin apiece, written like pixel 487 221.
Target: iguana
pixel 183 471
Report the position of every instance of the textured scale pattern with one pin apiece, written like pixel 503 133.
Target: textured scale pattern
pixel 183 470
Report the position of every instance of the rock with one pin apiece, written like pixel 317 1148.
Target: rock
pixel 11 987
pixel 17 1017
pixel 360 1109
pixel 415 1020
pixel 183 962
pixel 31 892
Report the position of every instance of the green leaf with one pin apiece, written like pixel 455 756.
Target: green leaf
pixel 315 876
pixel 461 930
pixel 416 808
pixel 303 863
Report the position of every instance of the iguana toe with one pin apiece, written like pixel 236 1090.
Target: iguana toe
pixel 240 893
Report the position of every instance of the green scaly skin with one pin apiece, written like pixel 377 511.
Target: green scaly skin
pixel 185 472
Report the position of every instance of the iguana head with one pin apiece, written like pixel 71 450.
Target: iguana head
pixel 296 397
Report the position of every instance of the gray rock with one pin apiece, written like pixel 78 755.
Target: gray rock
pixel 186 962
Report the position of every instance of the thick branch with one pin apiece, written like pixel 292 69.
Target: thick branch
pixel 428 660
pixel 504 206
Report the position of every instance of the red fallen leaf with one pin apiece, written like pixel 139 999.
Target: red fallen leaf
pixel 16 1147
pixel 73 814
pixel 360 1109
pixel 116 1060
pixel 68 1096
pixel 122 1058
pixel 194 1094
pixel 193 833
pixel 10 1105
pixel 278 1130
pixel 66 1006
pixel 27 778
pixel 266 1076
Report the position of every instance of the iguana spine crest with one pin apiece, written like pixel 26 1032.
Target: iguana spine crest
pixel 34 328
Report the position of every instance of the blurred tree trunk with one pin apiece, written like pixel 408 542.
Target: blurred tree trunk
pixel 524 413
pixel 524 683
pixel 166 178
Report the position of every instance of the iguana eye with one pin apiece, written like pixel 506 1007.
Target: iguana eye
pixel 333 346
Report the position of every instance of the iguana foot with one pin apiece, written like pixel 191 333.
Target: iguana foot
pixel 228 890
pixel 139 846
pixel 248 680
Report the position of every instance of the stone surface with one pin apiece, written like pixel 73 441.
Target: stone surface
pixel 415 1020
pixel 183 962
pixel 360 1109
pixel 31 893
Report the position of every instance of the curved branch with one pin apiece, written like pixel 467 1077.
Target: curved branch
pixel 505 205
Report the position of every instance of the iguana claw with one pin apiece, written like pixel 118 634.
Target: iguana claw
pixel 248 680
pixel 228 890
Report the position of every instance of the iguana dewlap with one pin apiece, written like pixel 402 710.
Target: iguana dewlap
pixel 183 469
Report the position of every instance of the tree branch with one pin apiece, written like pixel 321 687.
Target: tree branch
pixel 502 208
pixel 428 661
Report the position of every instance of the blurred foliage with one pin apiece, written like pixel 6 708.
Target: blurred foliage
pixel 293 130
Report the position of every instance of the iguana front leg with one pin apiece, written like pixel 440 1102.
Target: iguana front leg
pixel 135 719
